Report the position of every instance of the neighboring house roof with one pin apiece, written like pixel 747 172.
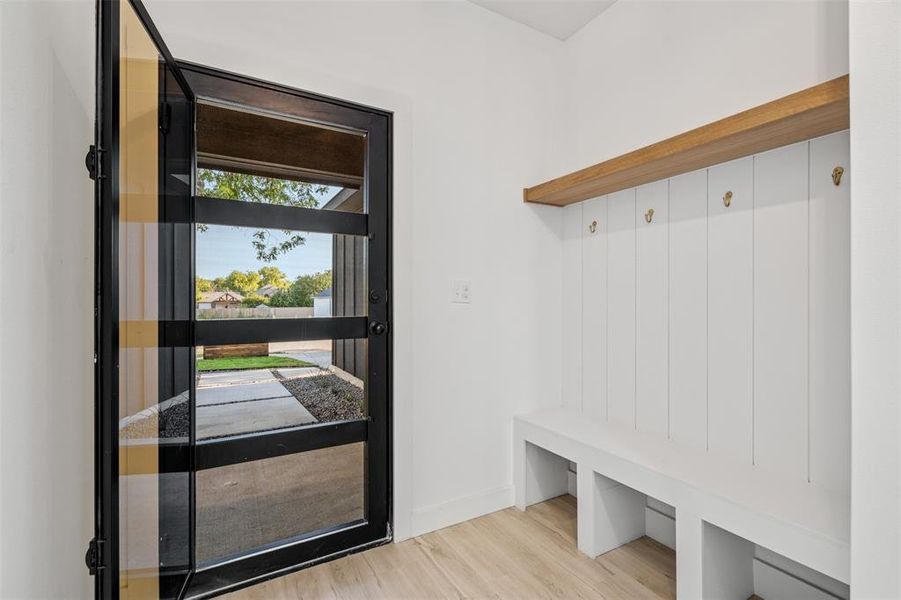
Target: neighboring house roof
pixel 267 290
pixel 326 293
pixel 346 200
pixel 220 297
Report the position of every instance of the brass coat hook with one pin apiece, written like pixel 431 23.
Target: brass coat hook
pixel 837 173
pixel 593 227
pixel 727 199
pixel 649 216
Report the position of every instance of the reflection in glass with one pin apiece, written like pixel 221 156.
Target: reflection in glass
pixel 248 505
pixel 254 157
pixel 252 388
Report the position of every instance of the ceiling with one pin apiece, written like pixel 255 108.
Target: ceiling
pixel 557 18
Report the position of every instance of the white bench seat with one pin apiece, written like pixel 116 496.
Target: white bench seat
pixel 805 523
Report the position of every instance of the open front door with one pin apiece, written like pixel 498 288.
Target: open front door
pixel 142 163
pixel 237 437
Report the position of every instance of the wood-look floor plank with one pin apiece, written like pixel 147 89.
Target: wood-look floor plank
pixel 504 555
pixel 562 556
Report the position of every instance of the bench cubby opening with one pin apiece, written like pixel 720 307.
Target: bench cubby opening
pixel 611 514
pixel 737 568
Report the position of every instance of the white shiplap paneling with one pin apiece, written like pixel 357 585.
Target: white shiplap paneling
pixel 688 309
pixel 730 280
pixel 572 306
pixel 651 365
pixel 830 313
pixel 594 307
pixel 781 310
pixel 621 308
pixel 723 327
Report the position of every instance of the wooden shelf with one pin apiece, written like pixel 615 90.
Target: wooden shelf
pixel 807 114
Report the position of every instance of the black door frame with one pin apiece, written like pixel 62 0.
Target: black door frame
pixel 318 546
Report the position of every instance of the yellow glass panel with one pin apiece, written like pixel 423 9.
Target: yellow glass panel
pixel 139 98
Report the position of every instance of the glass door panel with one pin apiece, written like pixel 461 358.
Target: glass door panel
pixel 291 310
pixel 149 257
pixel 253 505
pixel 255 388
pixel 138 310
pixel 263 273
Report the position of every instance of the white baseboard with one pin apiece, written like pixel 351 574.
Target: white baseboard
pixel 445 514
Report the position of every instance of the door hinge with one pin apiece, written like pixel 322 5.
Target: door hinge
pixel 94 558
pixel 92 162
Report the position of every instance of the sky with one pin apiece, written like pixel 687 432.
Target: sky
pixel 222 249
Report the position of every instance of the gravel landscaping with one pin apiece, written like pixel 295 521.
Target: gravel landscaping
pixel 327 396
pixel 168 420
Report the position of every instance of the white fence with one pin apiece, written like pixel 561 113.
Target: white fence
pixel 259 312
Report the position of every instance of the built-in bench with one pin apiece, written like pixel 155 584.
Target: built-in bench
pixel 617 469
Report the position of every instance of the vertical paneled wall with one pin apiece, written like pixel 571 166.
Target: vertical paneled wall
pixel 829 213
pixel 651 300
pixel 780 310
pixel 730 315
pixel 621 300
pixel 594 309
pixel 688 309
pixel 715 310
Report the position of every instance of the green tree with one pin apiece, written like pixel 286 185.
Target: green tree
pixel 302 290
pixel 253 301
pixel 246 283
pixel 201 285
pixel 265 190
pixel 204 285
pixel 273 276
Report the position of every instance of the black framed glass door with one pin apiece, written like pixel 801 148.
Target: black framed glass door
pixel 295 455
pixel 243 323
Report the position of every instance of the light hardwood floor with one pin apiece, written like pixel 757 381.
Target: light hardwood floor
pixel 508 554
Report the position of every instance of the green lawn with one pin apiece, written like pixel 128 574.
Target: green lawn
pixel 250 362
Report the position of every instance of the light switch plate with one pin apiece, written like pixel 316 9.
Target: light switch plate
pixel 460 293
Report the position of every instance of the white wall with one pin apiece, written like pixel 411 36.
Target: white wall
pixel 473 115
pixel 46 250
pixel 876 299
pixel 647 70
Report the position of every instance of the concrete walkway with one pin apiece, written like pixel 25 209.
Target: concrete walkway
pixel 322 358
pixel 234 402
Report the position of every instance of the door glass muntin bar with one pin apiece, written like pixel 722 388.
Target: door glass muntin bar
pixel 220 452
pixel 219 211
pixel 250 331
